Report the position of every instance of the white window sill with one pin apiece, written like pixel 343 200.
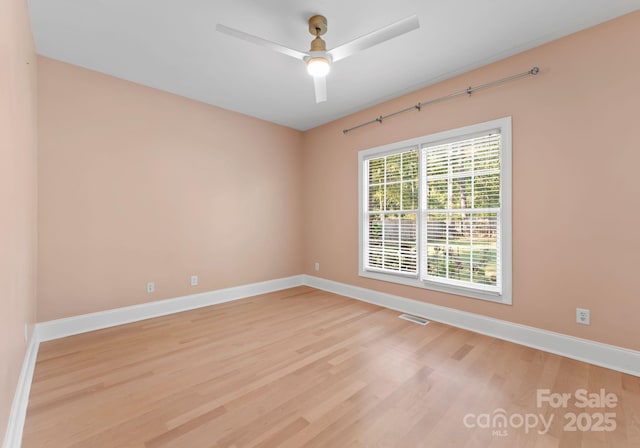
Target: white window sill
pixel 504 298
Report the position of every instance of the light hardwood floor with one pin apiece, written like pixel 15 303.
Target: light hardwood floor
pixel 303 367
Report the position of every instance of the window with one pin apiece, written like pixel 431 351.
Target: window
pixel 392 212
pixel 435 212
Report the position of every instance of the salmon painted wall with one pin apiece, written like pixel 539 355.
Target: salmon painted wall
pixel 139 185
pixel 18 188
pixel 575 182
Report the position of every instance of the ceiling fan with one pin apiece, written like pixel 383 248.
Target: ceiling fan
pixel 318 59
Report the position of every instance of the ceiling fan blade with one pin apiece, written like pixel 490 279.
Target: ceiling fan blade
pixel 260 41
pixel 320 84
pixel 376 37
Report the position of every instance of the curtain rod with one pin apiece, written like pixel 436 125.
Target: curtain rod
pixel 468 91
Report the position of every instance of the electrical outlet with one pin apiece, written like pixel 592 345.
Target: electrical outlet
pixel 194 280
pixel 317 266
pixel 151 287
pixel 583 316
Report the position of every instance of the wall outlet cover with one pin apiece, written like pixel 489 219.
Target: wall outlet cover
pixel 583 316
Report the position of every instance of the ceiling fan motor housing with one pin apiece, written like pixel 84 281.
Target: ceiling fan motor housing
pixel 318 44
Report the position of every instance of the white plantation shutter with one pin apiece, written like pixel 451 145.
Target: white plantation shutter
pixel 391 212
pixel 461 212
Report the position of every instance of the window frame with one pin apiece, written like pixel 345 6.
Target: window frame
pixel 505 222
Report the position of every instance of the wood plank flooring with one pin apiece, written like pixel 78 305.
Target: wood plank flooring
pixel 303 367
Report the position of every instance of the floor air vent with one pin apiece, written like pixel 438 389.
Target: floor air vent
pixel 414 319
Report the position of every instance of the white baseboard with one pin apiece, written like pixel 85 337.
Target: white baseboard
pixel 609 356
pixel 60 328
pixel 13 435
pixel 604 355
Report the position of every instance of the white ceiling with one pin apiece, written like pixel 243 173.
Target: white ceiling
pixel 172 45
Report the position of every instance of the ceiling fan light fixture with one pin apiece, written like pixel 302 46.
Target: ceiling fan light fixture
pixel 318 66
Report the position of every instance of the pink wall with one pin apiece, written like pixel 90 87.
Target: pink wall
pixel 17 194
pixel 139 185
pixel 575 183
